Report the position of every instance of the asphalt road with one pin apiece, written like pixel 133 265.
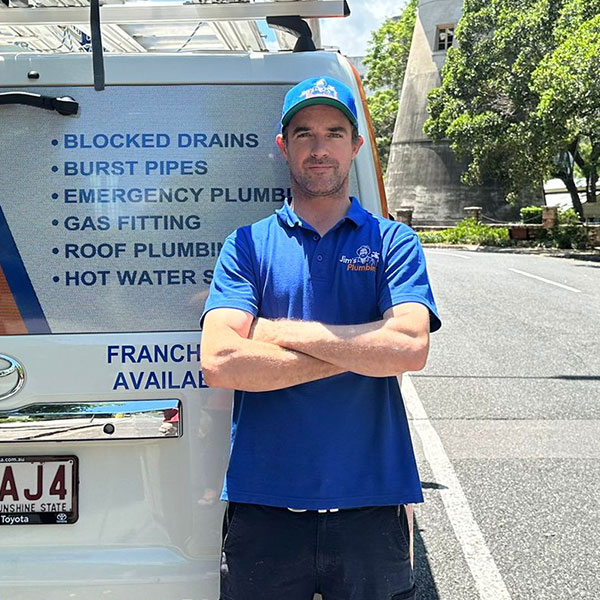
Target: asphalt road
pixel 512 390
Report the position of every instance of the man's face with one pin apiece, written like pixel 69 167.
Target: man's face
pixel 319 149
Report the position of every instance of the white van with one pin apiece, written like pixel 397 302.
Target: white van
pixel 112 449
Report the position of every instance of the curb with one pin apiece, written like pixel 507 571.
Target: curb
pixel 589 255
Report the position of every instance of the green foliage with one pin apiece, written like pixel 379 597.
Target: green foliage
pixel 468 231
pixel 568 234
pixel 386 61
pixel 383 106
pixel 388 50
pixel 568 87
pixel 573 15
pixel 532 214
pixel 568 217
pixel 522 87
pixel 571 237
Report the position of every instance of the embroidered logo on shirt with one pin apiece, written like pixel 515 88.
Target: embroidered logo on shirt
pixel 365 260
pixel 321 88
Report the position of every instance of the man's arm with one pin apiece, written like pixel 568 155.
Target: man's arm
pixel 398 343
pixel 231 360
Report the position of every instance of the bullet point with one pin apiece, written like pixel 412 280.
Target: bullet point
pixel 56 279
pixel 54 169
pixel 55 251
pixel 55 222
pixel 55 196
pixel 55 142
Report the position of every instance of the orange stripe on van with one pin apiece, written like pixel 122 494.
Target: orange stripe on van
pixel 11 321
pixel 363 98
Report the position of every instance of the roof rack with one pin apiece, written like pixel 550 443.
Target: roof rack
pixel 171 12
pixel 55 26
pixel 146 26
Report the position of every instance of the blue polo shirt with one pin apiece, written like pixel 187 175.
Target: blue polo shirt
pixel 342 441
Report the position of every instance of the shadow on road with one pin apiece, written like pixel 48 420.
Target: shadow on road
pixel 559 377
pixel 426 588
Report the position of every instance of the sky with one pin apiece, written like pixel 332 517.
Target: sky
pixel 352 34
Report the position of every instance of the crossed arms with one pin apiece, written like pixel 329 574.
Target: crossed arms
pixel 243 353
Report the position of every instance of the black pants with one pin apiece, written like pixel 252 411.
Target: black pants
pixel 354 554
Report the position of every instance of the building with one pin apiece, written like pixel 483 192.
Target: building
pixel 421 173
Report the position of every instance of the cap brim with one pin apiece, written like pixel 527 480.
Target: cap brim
pixel 318 100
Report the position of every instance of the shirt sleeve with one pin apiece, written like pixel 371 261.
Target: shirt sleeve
pixel 405 276
pixel 234 283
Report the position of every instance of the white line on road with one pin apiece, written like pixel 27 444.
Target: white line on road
pixel 449 254
pixel 560 285
pixel 488 580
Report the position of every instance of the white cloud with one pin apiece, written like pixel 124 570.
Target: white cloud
pixel 352 34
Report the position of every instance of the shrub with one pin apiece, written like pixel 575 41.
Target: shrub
pixel 567 235
pixel 531 214
pixel 432 237
pixel 568 217
pixel 571 237
pixel 468 231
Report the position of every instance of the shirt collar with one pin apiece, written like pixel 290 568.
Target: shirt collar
pixel 287 215
pixel 356 213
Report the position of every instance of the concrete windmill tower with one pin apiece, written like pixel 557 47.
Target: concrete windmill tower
pixel 420 173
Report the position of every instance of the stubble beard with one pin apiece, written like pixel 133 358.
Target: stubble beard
pixel 320 187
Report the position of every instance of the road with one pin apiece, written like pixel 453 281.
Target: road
pixel 506 424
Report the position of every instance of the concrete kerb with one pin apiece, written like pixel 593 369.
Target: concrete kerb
pixel 589 255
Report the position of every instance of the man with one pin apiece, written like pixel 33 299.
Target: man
pixel 312 314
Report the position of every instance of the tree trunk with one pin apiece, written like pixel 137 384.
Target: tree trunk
pixel 594 173
pixel 590 186
pixel 572 189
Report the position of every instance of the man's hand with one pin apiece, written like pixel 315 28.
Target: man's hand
pixel 398 343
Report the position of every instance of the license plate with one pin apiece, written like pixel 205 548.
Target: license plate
pixel 38 490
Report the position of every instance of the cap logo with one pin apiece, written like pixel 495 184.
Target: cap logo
pixel 321 88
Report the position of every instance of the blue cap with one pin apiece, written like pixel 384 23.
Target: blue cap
pixel 319 90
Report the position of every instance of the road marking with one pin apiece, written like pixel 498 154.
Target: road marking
pixel 449 254
pixel 486 575
pixel 560 285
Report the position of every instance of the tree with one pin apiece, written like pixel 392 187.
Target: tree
pixel 495 106
pixel 383 106
pixel 389 49
pixel 568 86
pixel 386 61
